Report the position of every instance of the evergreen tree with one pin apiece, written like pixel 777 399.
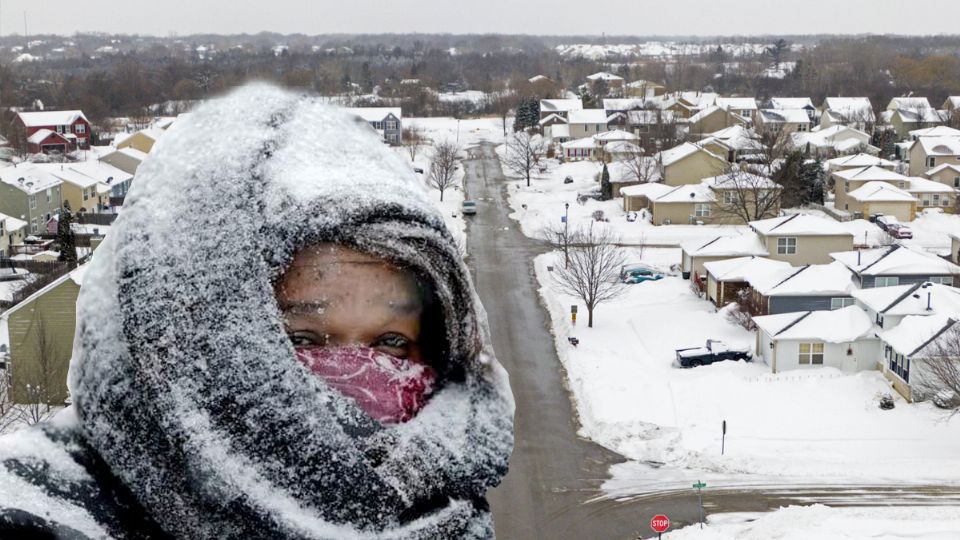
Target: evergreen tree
pixel 606 189
pixel 65 237
pixel 790 176
pixel 812 180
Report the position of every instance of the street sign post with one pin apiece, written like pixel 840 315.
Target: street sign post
pixel 573 314
pixel 700 485
pixel 723 439
pixel 659 523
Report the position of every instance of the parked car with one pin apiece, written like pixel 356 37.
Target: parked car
pixel 885 222
pixel 568 180
pixel 714 351
pixel 900 231
pixel 418 170
pixel 468 208
pixel 593 194
pixel 639 274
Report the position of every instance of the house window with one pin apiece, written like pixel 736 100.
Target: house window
pixel 33 225
pixel 81 128
pixel 729 197
pixel 956 181
pixel 931 162
pixel 811 354
pixel 391 124
pixel 943 280
pixel 786 246
pixel 60 129
pixel 85 197
pixel 49 195
pixel 846 186
pixel 838 303
pixel 33 201
pixel 801 127
pixel 945 201
pixel 377 125
pixel 925 201
pixel 886 281
pixel 701 210
pixel 81 141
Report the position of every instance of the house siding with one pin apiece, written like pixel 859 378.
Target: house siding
pixel 693 169
pixel 791 304
pixel 15 203
pixel 810 249
pixel 868 282
pixel 137 141
pixel 785 355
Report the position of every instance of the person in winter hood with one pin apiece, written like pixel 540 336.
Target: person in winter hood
pixel 278 339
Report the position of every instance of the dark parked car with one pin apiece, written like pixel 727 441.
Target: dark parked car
pixel 714 351
pixel 585 196
pixel 418 170
pixel 568 180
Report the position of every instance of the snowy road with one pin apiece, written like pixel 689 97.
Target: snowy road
pixel 553 489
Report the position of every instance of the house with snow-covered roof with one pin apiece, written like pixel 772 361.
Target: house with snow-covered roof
pixel 386 121
pixel 783 120
pixel 736 142
pixel 935 131
pixel 848 180
pixel 811 287
pixel 71 126
pixel 12 231
pixel 832 141
pixel 142 140
pixel 29 194
pixel 794 103
pixel 715 118
pixel 802 238
pixel 933 194
pixel 951 103
pixel 841 338
pixel 859 161
pixel 909 349
pixel 926 153
pixel 87 185
pixel 644 89
pixel 897 265
pixel 882 198
pixel 695 253
pixel 586 122
pixel 903 121
pixel 727 279
pixel 689 163
pixel 745 107
pixel 888 306
pixel 855 112
pixel 560 107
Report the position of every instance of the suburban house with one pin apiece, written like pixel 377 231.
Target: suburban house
pixel 645 89
pixel 833 141
pixel 735 142
pixel 644 123
pixel 908 103
pixel 727 279
pixel 125 159
pixel 71 126
pixel 908 348
pixel 929 152
pixel 744 107
pixel 697 252
pixel 876 198
pixel 689 163
pixel 897 265
pixel 614 82
pixel 794 103
pixel 715 200
pixel 935 131
pixel 841 338
pixel 87 185
pixel 847 181
pixel 586 122
pixel 783 120
pixel 30 194
pixel 12 232
pixel 904 121
pixel 951 104
pixel 856 112
pixel 640 195
pixel 386 121
pixel 41 330
pixel 622 105
pixel 580 149
pixel 801 238
pixel 812 287
pixel 45 141
pixel 555 127
pixel 859 161
pixel 560 107
pixel 714 118
pixel 933 194
pixel 142 140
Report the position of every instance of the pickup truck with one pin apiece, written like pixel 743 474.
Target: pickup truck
pixel 714 351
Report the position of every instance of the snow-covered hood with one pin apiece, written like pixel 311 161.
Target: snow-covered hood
pixel 183 377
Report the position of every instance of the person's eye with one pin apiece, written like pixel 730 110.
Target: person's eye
pixel 306 339
pixel 393 344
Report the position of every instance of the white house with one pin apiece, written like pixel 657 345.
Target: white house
pixel 841 338
pixel 908 349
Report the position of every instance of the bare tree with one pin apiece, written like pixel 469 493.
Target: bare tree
pixel 523 153
pixel 744 196
pixel 560 236
pixel 443 167
pixel 937 374
pixel 592 273
pixel 413 141
pixel 41 387
pixel 9 413
pixel 638 167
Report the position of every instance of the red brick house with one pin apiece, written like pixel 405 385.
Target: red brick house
pixel 68 131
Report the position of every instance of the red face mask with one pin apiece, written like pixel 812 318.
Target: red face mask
pixel 391 390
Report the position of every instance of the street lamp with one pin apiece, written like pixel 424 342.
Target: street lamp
pixel 566 237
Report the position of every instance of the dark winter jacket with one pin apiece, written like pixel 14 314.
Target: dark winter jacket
pixel 192 417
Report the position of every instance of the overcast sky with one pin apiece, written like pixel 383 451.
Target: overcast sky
pixel 622 17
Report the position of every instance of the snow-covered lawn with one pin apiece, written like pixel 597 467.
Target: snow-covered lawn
pixel 818 423
pixel 930 231
pixel 824 523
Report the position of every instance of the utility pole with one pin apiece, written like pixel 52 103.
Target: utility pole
pixel 566 235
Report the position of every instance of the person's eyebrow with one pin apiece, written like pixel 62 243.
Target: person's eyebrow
pixel 407 307
pixel 311 306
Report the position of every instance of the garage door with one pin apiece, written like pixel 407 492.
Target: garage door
pixel 900 210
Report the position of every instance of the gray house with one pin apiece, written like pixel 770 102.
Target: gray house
pixel 897 265
pixel 29 194
pixel 813 287
pixel 387 121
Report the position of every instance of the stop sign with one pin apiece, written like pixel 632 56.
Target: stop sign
pixel 659 523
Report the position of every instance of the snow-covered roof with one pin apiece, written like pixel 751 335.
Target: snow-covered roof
pixel 921 115
pixel 940 146
pixel 832 326
pixel 799 225
pixel 616 135
pixel 586 142
pixel 675 154
pixel 650 190
pixel 832 279
pixel 943 167
pixel 711 110
pixel 935 131
pixel 587 116
pixel 743 268
pixel 912 299
pixel 552 117
pixel 560 105
pixel 86 173
pixel 908 103
pixel 952 102
pixel 917 336
pixel 558 131
pixel 837 136
pixel 11 223
pixel 622 104
pixel 688 193
pixel 534 79
pixel 895 260
pixel 640 118
pixel 785 116
pixel 871 173
pixel 642 83
pixel 880 192
pixel 698 100
pixel 791 103
pixel 41 134
pixel 860 161
pixel 922 185
pixel 51 118
pixel 859 108
pixel 376 114
pixel 726 246
pixel 735 138
pixel 603 75
pixel 741 180
pixel 737 103
pixel 28 178
pixel 621 147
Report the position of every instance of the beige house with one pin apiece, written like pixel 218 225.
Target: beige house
pixel 614 82
pixel 932 194
pixel 125 159
pixel 696 253
pixel 856 112
pixel 833 141
pixel 586 123
pixel 882 198
pixel 715 200
pixel 801 239
pixel 733 142
pixel 849 180
pixel 641 196
pixel 930 152
pixel 645 89
pixel 713 119
pixel 142 140
pixel 905 121
pixel 12 231
pixel 859 161
pixel 947 174
pixel 689 163
pixel 744 107
pixel 41 330
pixel 783 120
pixel 560 107
pixel 955 247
